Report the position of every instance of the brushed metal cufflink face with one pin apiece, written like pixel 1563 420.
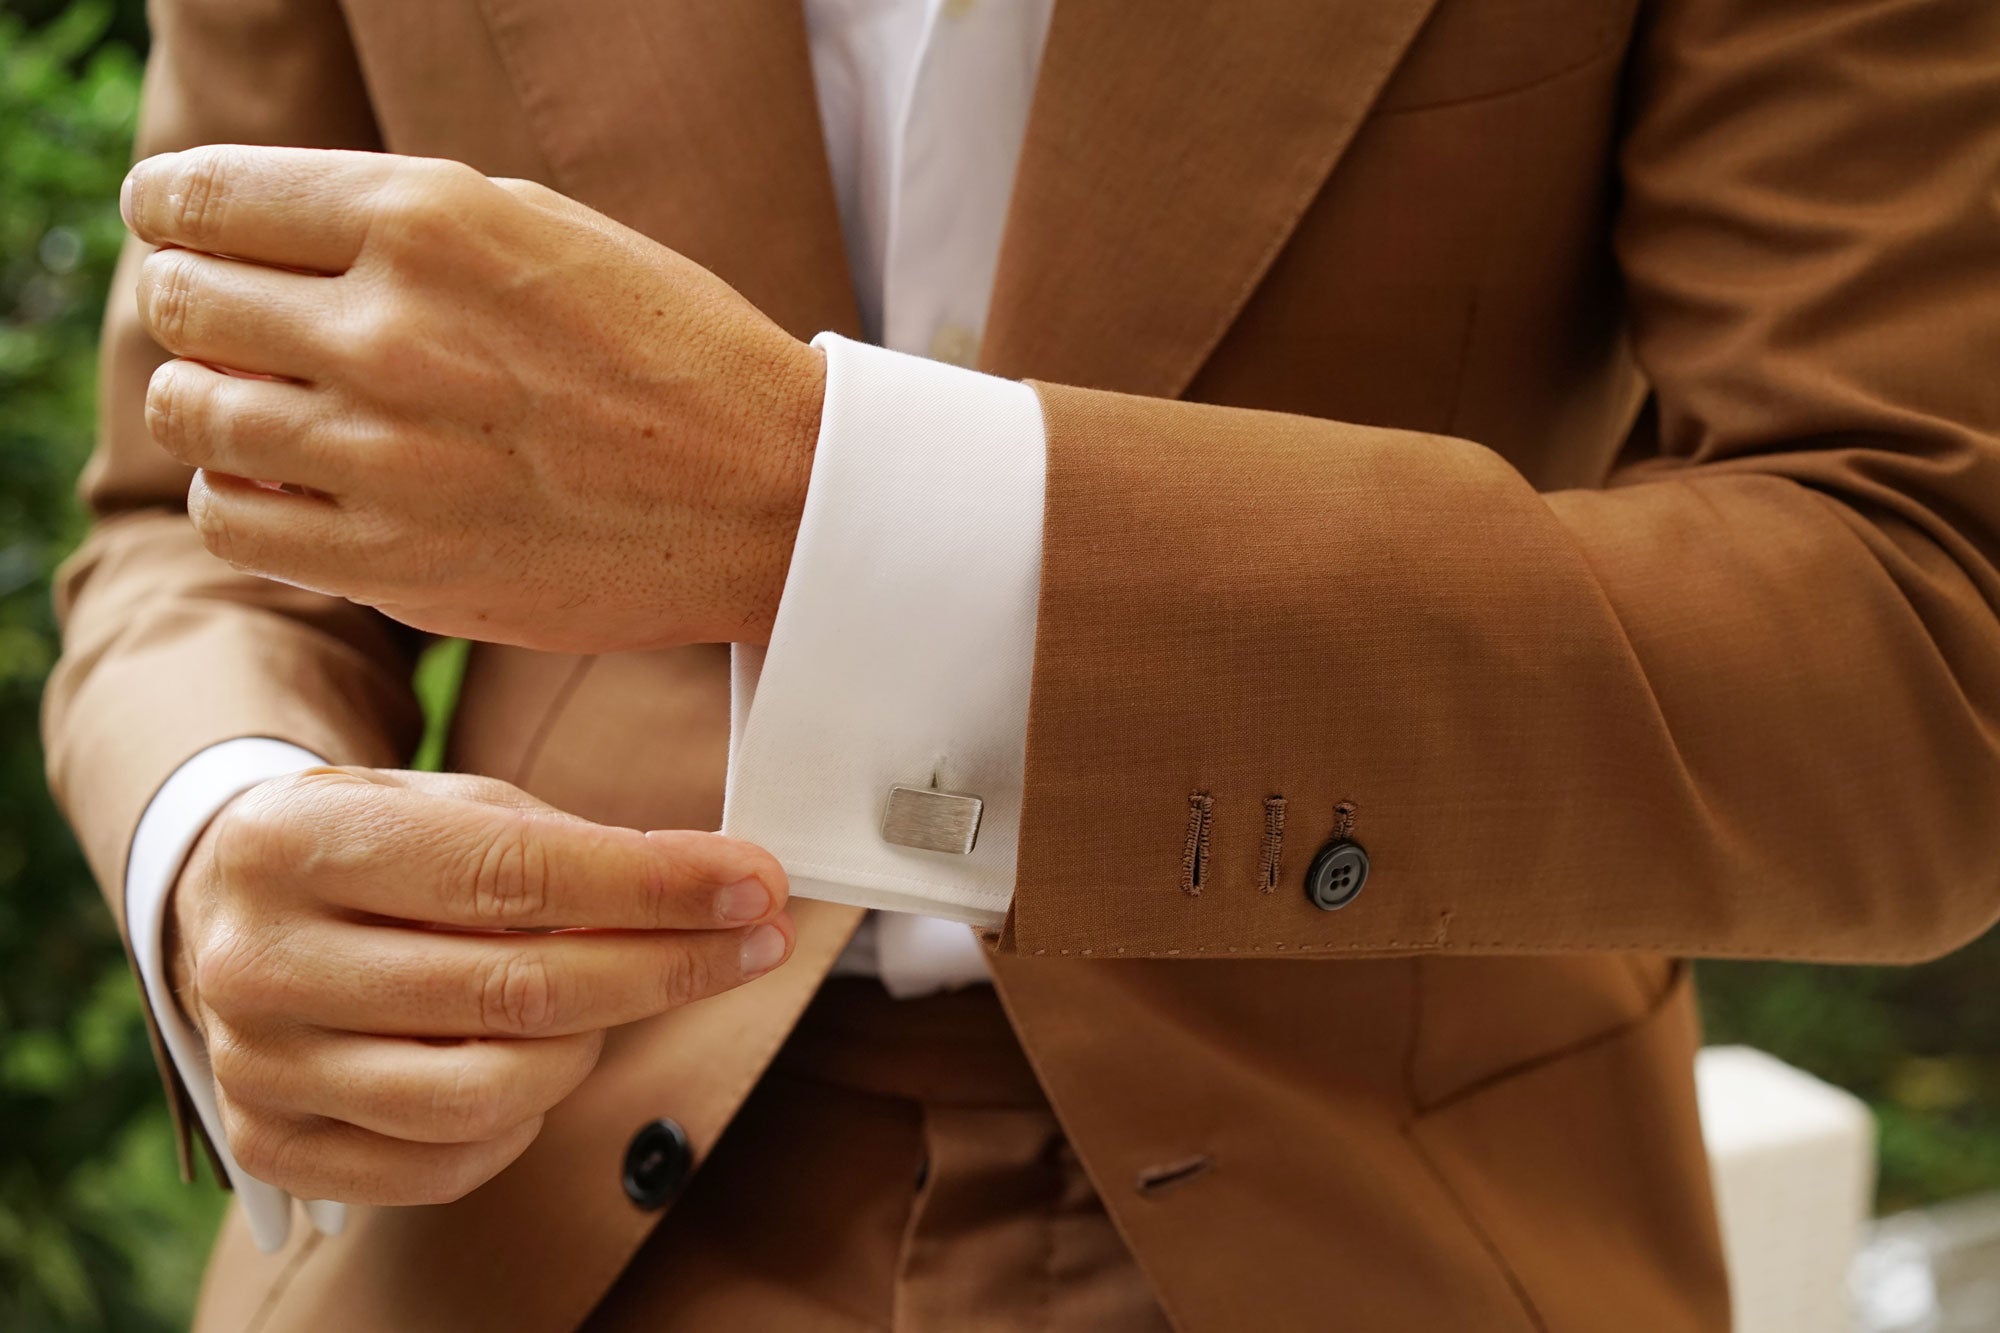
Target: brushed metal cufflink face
pixel 931 820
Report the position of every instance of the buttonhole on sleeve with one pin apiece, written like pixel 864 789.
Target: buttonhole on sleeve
pixel 1269 865
pixel 1194 852
pixel 1343 820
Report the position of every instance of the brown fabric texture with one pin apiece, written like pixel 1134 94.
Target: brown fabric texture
pixel 1562 432
pixel 897 1168
pixel 1598 717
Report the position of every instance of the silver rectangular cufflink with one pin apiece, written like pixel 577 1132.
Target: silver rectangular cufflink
pixel 931 820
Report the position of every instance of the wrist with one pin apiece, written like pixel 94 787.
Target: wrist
pixel 793 441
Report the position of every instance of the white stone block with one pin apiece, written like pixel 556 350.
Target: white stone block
pixel 1793 1162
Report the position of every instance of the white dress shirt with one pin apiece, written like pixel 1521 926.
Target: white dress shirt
pixel 902 648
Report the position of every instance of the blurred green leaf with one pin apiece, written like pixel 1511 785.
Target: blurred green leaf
pixel 439 672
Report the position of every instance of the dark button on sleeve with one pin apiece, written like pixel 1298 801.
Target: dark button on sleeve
pixel 657 1164
pixel 1335 877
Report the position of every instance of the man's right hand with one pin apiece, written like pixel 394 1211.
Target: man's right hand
pixel 397 974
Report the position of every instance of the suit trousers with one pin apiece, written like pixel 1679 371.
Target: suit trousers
pixel 897 1168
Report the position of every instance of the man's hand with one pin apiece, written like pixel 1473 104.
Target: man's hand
pixel 475 404
pixel 398 974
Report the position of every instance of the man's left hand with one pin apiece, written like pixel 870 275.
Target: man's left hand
pixel 474 404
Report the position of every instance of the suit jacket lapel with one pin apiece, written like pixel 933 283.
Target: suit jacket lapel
pixel 1171 150
pixel 695 122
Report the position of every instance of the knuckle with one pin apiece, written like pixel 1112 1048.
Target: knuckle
pixel 452 180
pixel 467 1106
pixel 230 975
pixel 230 1062
pixel 510 878
pixel 264 1145
pixel 211 521
pixel 311 792
pixel 224 859
pixel 246 1073
pixel 456 191
pixel 324 825
pixel 688 974
pixel 518 187
pixel 168 296
pixel 170 410
pixel 256 832
pixel 532 193
pixel 423 207
pixel 380 342
pixel 199 193
pixel 517 996
pixel 496 792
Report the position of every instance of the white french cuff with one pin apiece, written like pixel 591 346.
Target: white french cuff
pixel 904 643
pixel 167 831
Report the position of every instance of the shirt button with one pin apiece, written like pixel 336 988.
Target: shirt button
pixel 955 345
pixel 1335 877
pixel 657 1164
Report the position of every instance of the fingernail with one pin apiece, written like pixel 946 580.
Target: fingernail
pixel 763 949
pixel 745 900
pixel 125 199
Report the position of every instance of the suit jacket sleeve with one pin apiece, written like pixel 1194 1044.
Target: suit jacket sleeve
pixel 166 650
pixel 1743 700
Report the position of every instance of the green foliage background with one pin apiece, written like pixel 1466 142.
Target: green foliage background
pixel 96 1231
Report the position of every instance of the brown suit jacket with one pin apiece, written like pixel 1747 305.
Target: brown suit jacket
pixel 1567 430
